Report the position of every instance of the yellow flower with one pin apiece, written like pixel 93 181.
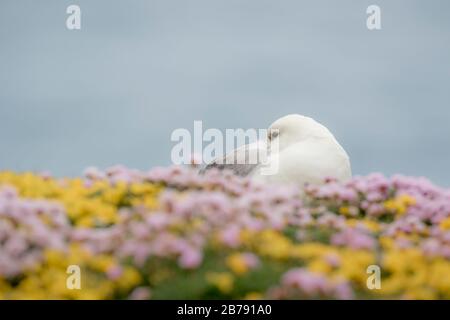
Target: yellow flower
pixel 399 204
pixel 55 258
pixel 353 265
pixel 86 222
pixel 310 250
pixel 221 280
pixel 320 266
pixel 407 200
pixel 273 244
pixel 420 293
pixel 129 278
pixel 372 225
pixel 102 263
pixel 349 211
pixel 237 263
pixel 253 296
pixel 445 224
pixel 438 273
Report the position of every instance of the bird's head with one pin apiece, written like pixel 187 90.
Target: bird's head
pixel 295 128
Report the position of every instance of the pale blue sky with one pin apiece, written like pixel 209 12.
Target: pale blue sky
pixel 115 90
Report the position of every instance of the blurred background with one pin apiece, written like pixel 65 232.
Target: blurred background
pixel 114 91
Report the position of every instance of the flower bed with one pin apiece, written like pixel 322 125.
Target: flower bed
pixel 171 233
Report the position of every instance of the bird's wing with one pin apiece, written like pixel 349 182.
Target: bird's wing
pixel 241 161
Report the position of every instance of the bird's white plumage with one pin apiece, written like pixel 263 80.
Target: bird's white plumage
pixel 305 152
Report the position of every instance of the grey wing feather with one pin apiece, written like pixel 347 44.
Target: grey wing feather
pixel 233 160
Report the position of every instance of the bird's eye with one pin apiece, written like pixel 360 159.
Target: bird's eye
pixel 274 134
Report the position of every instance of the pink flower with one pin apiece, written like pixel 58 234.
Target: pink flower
pixel 190 258
pixel 333 260
pixel 251 260
pixel 312 285
pixel 157 221
pixel 230 236
pixel 354 239
pixel 140 293
pixel 94 173
pixel 114 272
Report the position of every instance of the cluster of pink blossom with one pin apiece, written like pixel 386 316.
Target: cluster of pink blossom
pixel 303 284
pixel 215 203
pixel 368 195
pixel 196 209
pixel 27 227
pixel 369 192
pixel 354 238
pixel 228 204
pixel 438 244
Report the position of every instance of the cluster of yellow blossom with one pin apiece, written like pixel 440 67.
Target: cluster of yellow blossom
pixel 48 280
pixel 87 204
pixel 399 204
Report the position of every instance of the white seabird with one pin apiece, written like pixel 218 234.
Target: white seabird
pixel 305 152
